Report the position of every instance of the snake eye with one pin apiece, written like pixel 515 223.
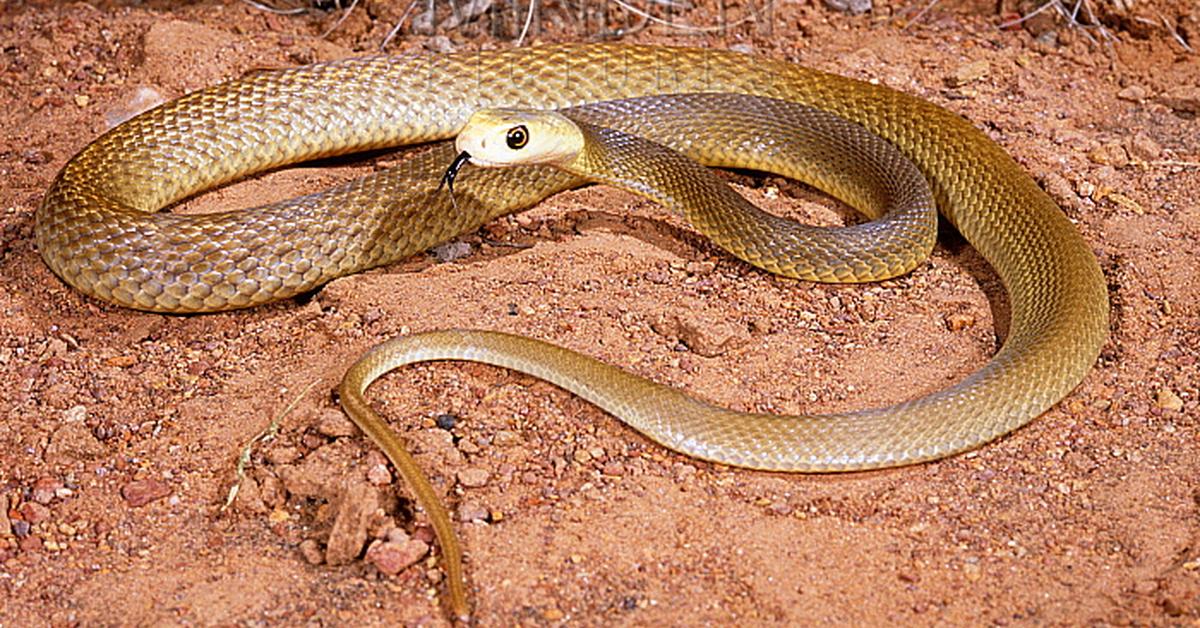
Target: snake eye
pixel 517 137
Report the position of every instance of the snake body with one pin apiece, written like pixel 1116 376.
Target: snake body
pixel 96 229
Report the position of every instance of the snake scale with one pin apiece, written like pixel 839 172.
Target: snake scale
pixel 98 229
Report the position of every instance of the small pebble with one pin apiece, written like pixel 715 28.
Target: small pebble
pixel 141 492
pixel 959 321
pixel 781 508
pixel 34 512
pixel 972 572
pixel 1145 586
pixel 853 7
pixel 334 424
pixel 121 361
pixel 451 251
pixel 969 73
pixel 392 558
pixel 472 511
pixel 473 477
pixel 311 551
pixel 45 490
pixel 1168 400
pixel 5 522
pixel 282 454
pixel 397 535
pixel 1133 93
pixel 1182 99
pixel 704 337
pixel 356 504
pixel 379 475
pixel 1144 148
pixel 446 421
pixel 1111 154
pixel 505 438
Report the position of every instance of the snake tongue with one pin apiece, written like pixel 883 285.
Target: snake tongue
pixel 452 173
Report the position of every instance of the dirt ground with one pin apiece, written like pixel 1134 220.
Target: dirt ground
pixel 121 431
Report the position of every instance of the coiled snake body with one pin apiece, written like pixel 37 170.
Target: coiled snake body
pixel 98 231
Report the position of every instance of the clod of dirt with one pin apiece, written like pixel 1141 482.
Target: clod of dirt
pixel 392 558
pixel 358 503
pixel 141 492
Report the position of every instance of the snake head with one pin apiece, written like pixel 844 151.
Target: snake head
pixel 497 138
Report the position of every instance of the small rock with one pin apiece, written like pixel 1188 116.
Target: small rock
pixel 1172 606
pixel 34 512
pixel 1168 400
pixel 464 12
pixel 372 315
pixel 708 339
pixel 853 7
pixel 1145 586
pixel 613 469
pixel 969 73
pixel 397 535
pixel 141 492
pixel 1133 93
pixel 392 558
pixel 552 614
pixel 505 438
pixel 379 475
pixel 45 490
pixel 473 477
pixel 311 551
pixel 82 100
pixel 959 321
pixel 30 544
pixel 781 508
pixel 1143 148
pixel 1111 154
pixel 972 572
pixel 424 533
pixel 270 488
pixel 472 511
pixel 358 503
pixel 249 497
pixel 1182 99
pixel 451 251
pixel 75 414
pixel 282 454
pixel 446 421
pixel 121 361
pixel 73 442
pixel 1060 189
pixel 334 424
pixel 440 44
pixel 5 522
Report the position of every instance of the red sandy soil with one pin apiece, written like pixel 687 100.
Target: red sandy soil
pixel 121 430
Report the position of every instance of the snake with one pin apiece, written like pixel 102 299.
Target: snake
pixel 100 229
